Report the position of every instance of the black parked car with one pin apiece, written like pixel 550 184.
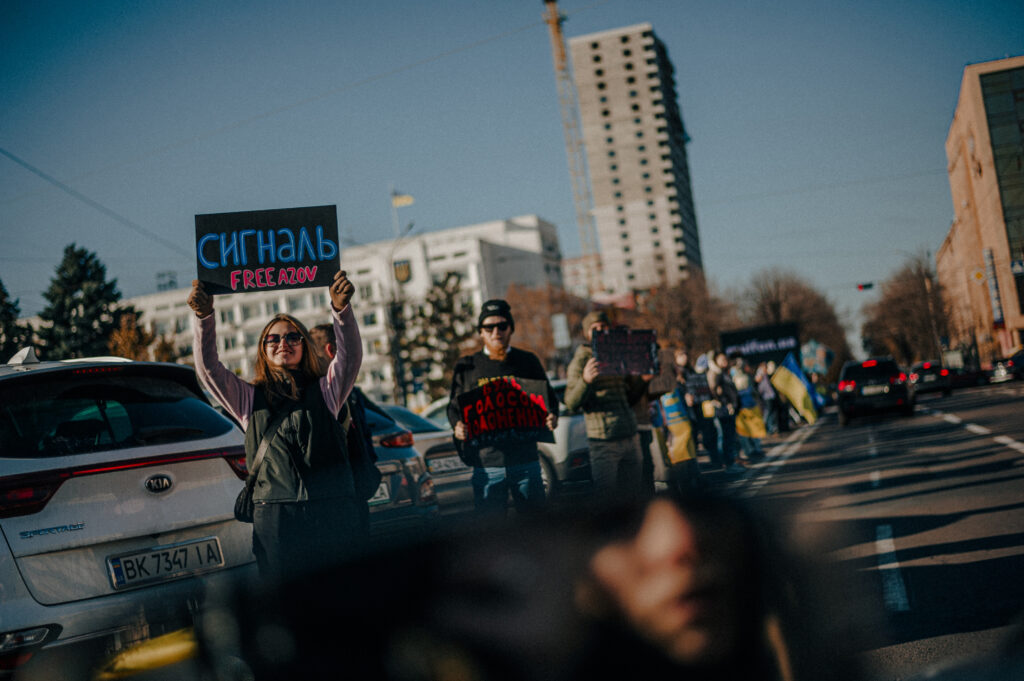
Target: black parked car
pixel 873 386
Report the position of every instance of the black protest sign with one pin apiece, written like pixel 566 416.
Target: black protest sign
pixel 264 250
pixel 626 351
pixel 506 411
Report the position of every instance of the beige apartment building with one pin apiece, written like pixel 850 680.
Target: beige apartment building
pixel 981 261
pixel 636 156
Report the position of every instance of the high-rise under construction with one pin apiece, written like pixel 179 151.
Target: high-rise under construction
pixel 635 143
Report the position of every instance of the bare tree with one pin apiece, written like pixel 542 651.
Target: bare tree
pixel 130 339
pixel 908 319
pixel 776 296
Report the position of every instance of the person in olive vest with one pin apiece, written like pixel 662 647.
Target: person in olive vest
pixel 306 511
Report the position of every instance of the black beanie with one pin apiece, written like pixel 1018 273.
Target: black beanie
pixel 496 308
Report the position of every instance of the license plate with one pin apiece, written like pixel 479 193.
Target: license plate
pixel 382 495
pixel 875 389
pixel 445 464
pixel 929 377
pixel 165 562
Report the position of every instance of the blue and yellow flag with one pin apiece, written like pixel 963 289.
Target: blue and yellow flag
pixel 398 199
pixel 681 447
pixel 791 382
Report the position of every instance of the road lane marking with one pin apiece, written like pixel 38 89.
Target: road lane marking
pixel 981 430
pixel 776 457
pixel 876 478
pixel 1009 442
pixel 950 418
pixel 977 430
pixel 894 591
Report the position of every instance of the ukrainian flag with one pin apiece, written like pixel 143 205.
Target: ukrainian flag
pixel 791 382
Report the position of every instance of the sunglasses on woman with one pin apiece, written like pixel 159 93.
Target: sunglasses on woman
pixel 291 338
pixel 500 326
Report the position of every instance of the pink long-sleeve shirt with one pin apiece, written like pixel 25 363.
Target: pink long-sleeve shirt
pixel 236 395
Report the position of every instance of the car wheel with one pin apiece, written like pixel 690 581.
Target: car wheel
pixel 947 392
pixel 547 472
pixel 844 418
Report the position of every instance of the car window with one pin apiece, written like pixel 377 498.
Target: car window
pixel 55 416
pixel 412 421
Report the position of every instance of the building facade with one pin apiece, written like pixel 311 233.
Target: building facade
pixel 488 257
pixel 981 261
pixel 636 154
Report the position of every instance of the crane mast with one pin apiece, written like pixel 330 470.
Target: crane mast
pixel 582 199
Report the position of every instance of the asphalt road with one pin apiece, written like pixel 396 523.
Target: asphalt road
pixel 920 520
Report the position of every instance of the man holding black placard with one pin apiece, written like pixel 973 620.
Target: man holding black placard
pixel 607 401
pixel 501 403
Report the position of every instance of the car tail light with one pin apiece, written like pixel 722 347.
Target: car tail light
pixel 944 372
pixel 847 386
pixel 870 363
pixel 27 494
pixel 926 365
pixel 1009 362
pixel 914 378
pixel 237 462
pixel 16 647
pixel 403 439
pixel 896 380
pixel 426 491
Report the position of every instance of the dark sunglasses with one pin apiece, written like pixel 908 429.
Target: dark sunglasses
pixel 500 326
pixel 291 338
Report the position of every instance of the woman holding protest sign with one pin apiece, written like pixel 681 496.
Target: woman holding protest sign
pixel 305 503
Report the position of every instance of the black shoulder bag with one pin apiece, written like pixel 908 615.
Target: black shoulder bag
pixel 245 507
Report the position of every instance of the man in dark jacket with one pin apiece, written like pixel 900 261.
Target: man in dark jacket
pixel 506 466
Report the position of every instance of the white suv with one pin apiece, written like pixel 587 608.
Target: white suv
pixel 117 483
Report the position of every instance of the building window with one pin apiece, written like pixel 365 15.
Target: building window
pixel 639 134
pixel 643 161
pixel 641 148
pixel 230 342
pixel 620 208
pixel 628 66
pixel 599 73
pixel 627 53
pixel 605 112
pixel 227 316
pixel 611 153
pixel 629 263
pixel 631 276
pixel 298 303
pixel 624 39
pixel 613 167
pixel 624 235
pixel 622 221
pixel 597 58
pixel 615 180
pixel 635 107
pixel 646 176
pixel 250 310
pixel 632 93
pixel 609 140
pixel 593 46
pixel 607 126
pixel 618 195
pixel 370 318
pixel 647 190
pixel 604 100
pixel 631 80
pixel 600 86
pixel 625 249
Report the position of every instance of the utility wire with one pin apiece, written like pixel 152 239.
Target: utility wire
pixel 97 205
pixel 317 97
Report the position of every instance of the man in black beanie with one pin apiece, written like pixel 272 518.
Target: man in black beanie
pixel 504 467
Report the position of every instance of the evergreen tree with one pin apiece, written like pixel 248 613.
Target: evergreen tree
pixel 13 336
pixel 82 311
pixel 435 334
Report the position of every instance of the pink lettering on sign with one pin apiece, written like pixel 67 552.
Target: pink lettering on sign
pixel 265 277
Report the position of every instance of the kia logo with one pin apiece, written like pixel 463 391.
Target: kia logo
pixel 158 484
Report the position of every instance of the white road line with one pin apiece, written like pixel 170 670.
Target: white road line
pixel 981 430
pixel 950 418
pixel 894 591
pixel 777 456
pixel 977 430
pixel 876 478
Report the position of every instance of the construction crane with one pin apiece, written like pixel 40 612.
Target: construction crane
pixel 582 199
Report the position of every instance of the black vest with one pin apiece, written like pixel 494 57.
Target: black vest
pixel 309 457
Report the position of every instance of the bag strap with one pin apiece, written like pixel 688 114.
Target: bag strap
pixel 268 437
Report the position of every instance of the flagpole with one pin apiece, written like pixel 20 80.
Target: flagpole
pixel 394 210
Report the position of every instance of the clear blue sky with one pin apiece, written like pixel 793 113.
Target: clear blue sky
pixel 818 129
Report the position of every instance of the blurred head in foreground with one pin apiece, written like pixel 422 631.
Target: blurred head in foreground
pixel 671 586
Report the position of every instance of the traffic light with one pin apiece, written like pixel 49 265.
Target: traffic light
pixel 865 286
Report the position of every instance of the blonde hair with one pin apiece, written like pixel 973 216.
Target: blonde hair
pixel 276 381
